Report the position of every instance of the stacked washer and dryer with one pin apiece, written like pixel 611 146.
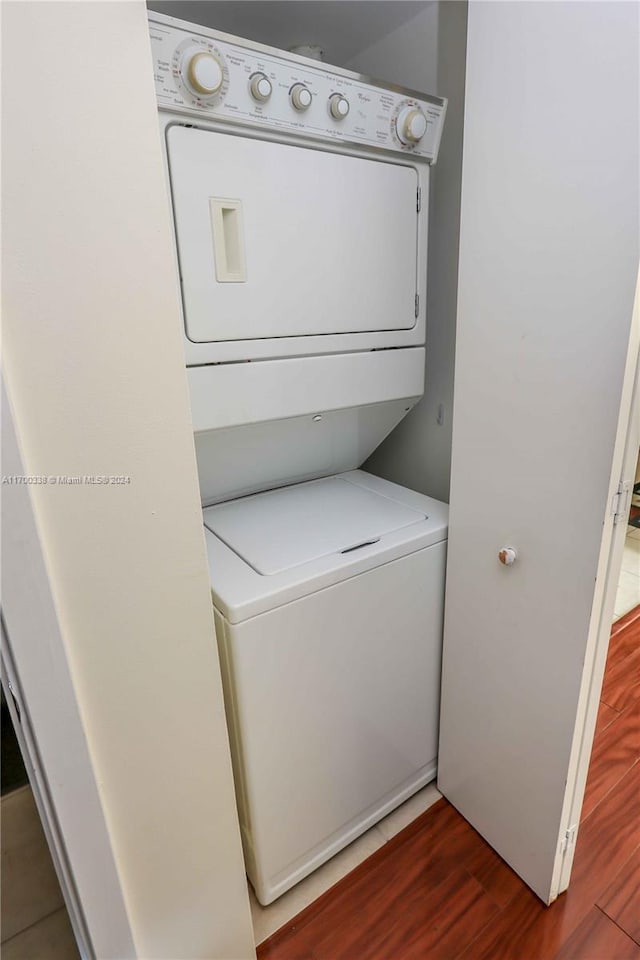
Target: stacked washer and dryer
pixel 300 202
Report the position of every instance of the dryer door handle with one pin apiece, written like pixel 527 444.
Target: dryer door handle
pixel 228 240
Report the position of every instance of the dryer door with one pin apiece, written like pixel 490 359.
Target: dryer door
pixel 285 241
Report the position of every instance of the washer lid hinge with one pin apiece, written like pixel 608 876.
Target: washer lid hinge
pixel 417 305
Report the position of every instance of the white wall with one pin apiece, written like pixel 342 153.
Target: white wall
pixel 339 27
pixel 94 368
pixel 428 54
pixel 406 54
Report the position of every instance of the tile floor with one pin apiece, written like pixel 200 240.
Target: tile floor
pixel 49 939
pixel 35 925
pixel 628 595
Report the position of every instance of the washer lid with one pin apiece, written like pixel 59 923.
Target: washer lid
pixel 281 529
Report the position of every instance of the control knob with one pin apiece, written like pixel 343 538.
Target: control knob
pixel 202 72
pixel 260 87
pixel 411 125
pixel 300 96
pixel 338 106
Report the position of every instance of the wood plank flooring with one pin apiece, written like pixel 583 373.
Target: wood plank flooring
pixel 437 891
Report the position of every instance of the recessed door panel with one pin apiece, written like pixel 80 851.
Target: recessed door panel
pixel 284 241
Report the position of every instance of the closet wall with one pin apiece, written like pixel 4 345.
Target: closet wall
pixel 427 53
pixel 94 370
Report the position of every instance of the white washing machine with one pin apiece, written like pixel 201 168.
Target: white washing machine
pixel 299 195
pixel 328 600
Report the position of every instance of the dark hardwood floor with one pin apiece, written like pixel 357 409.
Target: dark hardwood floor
pixel 437 891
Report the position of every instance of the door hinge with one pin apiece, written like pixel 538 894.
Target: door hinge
pixel 569 839
pixel 417 305
pixel 15 700
pixel 419 201
pixel 621 502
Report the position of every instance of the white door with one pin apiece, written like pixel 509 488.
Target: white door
pixel 284 241
pixel 545 358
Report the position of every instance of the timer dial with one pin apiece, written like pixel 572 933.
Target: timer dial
pixel 338 106
pixel 260 87
pixel 202 72
pixel 300 96
pixel 411 125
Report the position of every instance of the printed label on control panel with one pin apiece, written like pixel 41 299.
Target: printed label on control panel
pixel 204 75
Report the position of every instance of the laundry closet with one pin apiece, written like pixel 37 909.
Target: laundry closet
pixel 300 196
pixel 516 271
pixel 317 229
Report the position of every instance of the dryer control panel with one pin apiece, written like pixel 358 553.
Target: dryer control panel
pixel 201 72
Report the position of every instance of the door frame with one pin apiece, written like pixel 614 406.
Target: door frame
pixel 623 468
pixel 41 794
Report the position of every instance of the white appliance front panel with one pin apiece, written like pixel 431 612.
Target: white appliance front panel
pixel 259 425
pixel 375 108
pixel 240 461
pixel 236 394
pixel 332 706
pixel 319 243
